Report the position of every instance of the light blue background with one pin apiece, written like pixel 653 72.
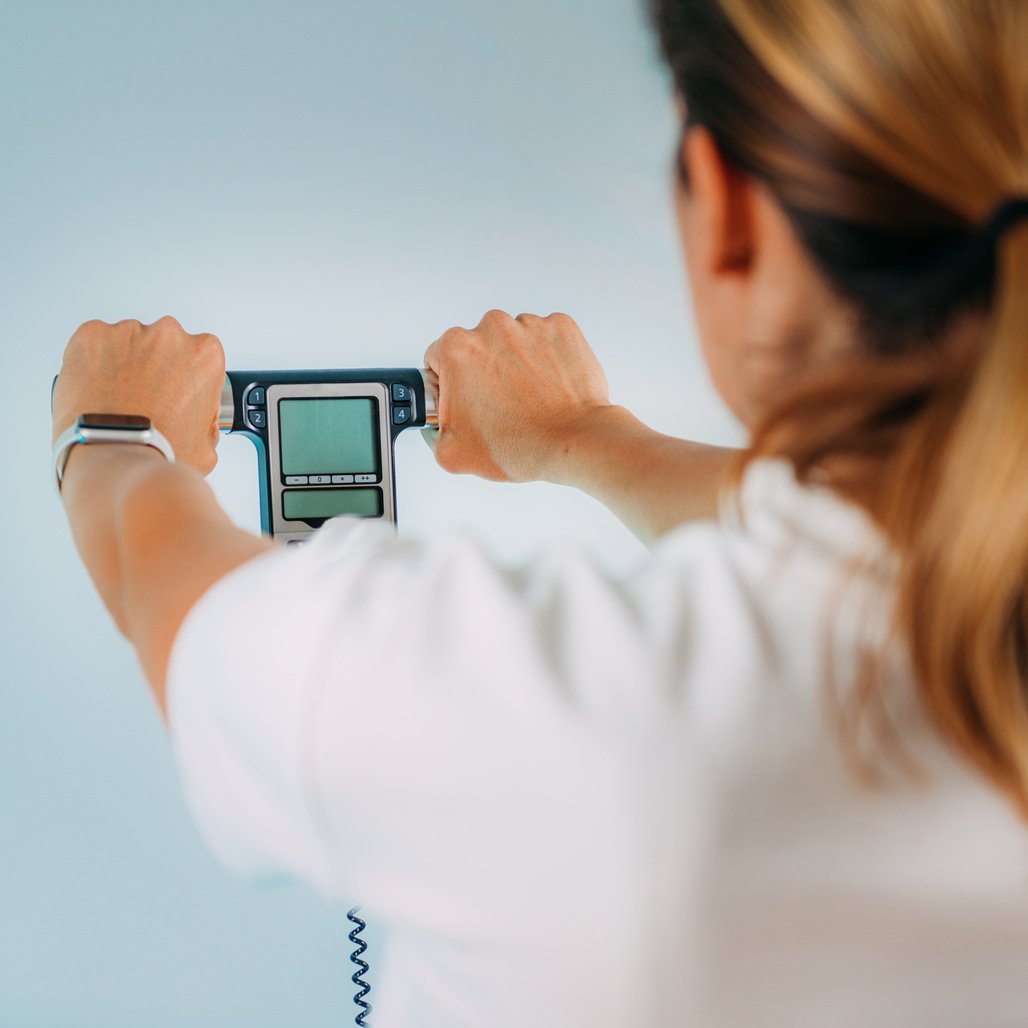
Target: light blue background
pixel 321 184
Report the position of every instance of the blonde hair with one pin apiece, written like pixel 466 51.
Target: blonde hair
pixel 891 131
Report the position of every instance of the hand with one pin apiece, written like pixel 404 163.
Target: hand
pixel 512 392
pixel 159 371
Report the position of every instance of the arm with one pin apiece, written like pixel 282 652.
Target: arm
pixel 524 399
pixel 150 533
pixel 652 482
pixel 153 539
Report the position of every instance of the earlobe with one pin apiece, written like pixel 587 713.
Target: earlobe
pixel 721 197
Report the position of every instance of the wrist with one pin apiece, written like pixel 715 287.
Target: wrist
pixel 586 440
pixel 84 461
pixel 131 430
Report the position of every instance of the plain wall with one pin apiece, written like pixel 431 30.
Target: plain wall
pixel 320 184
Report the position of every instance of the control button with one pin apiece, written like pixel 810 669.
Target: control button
pixel 255 396
pixel 296 479
pixel 320 479
pixel 295 542
pixel 257 418
pixel 366 478
pixel 401 415
pixel 342 479
pixel 401 393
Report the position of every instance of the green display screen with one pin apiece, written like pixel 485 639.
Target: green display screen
pixel 332 436
pixel 301 504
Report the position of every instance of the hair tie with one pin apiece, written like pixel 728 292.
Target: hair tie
pixel 1006 216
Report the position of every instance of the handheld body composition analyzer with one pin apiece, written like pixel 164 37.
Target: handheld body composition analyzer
pixel 325 440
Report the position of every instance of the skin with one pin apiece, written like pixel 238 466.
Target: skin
pixel 154 539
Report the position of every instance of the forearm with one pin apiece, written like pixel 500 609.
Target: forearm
pixel 98 485
pixel 652 482
pixel 153 539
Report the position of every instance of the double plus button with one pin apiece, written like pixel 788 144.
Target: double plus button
pixel 402 400
pixel 256 413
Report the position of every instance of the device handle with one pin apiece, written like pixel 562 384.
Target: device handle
pixel 227 411
pixel 431 380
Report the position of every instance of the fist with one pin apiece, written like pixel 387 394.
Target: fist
pixel 511 394
pixel 159 371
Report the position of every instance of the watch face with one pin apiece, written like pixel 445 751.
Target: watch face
pixel 123 421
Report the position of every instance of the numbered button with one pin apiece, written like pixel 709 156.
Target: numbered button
pixel 257 418
pixel 401 393
pixel 320 479
pixel 401 415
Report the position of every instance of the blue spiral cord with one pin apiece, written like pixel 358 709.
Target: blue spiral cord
pixel 362 966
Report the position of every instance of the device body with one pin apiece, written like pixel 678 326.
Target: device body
pixel 325 440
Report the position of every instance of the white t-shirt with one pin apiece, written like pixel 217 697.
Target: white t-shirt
pixel 584 799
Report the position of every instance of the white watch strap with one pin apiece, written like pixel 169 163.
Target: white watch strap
pixel 105 436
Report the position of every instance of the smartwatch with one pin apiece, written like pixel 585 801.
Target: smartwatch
pixel 107 428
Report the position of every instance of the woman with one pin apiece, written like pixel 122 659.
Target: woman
pixel 779 775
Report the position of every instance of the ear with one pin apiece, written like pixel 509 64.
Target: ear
pixel 720 201
pixel 764 313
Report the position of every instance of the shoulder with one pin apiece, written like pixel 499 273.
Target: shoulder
pixel 716 602
pixel 775 537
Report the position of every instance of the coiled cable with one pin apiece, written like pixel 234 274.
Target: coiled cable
pixel 363 987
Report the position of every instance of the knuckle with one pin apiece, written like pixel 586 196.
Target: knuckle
pixel 210 347
pixel 562 320
pixel 496 318
pixel 168 322
pixel 91 327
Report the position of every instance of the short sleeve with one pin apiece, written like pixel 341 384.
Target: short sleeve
pixel 365 711
pixel 240 680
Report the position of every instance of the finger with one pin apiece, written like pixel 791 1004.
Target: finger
pixel 431 380
pixel 447 348
pixel 431 359
pixel 431 437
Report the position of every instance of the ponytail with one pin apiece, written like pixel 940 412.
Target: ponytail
pixel 889 133
pixel 957 507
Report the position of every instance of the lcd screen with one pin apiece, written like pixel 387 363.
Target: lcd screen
pixel 331 436
pixel 301 504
